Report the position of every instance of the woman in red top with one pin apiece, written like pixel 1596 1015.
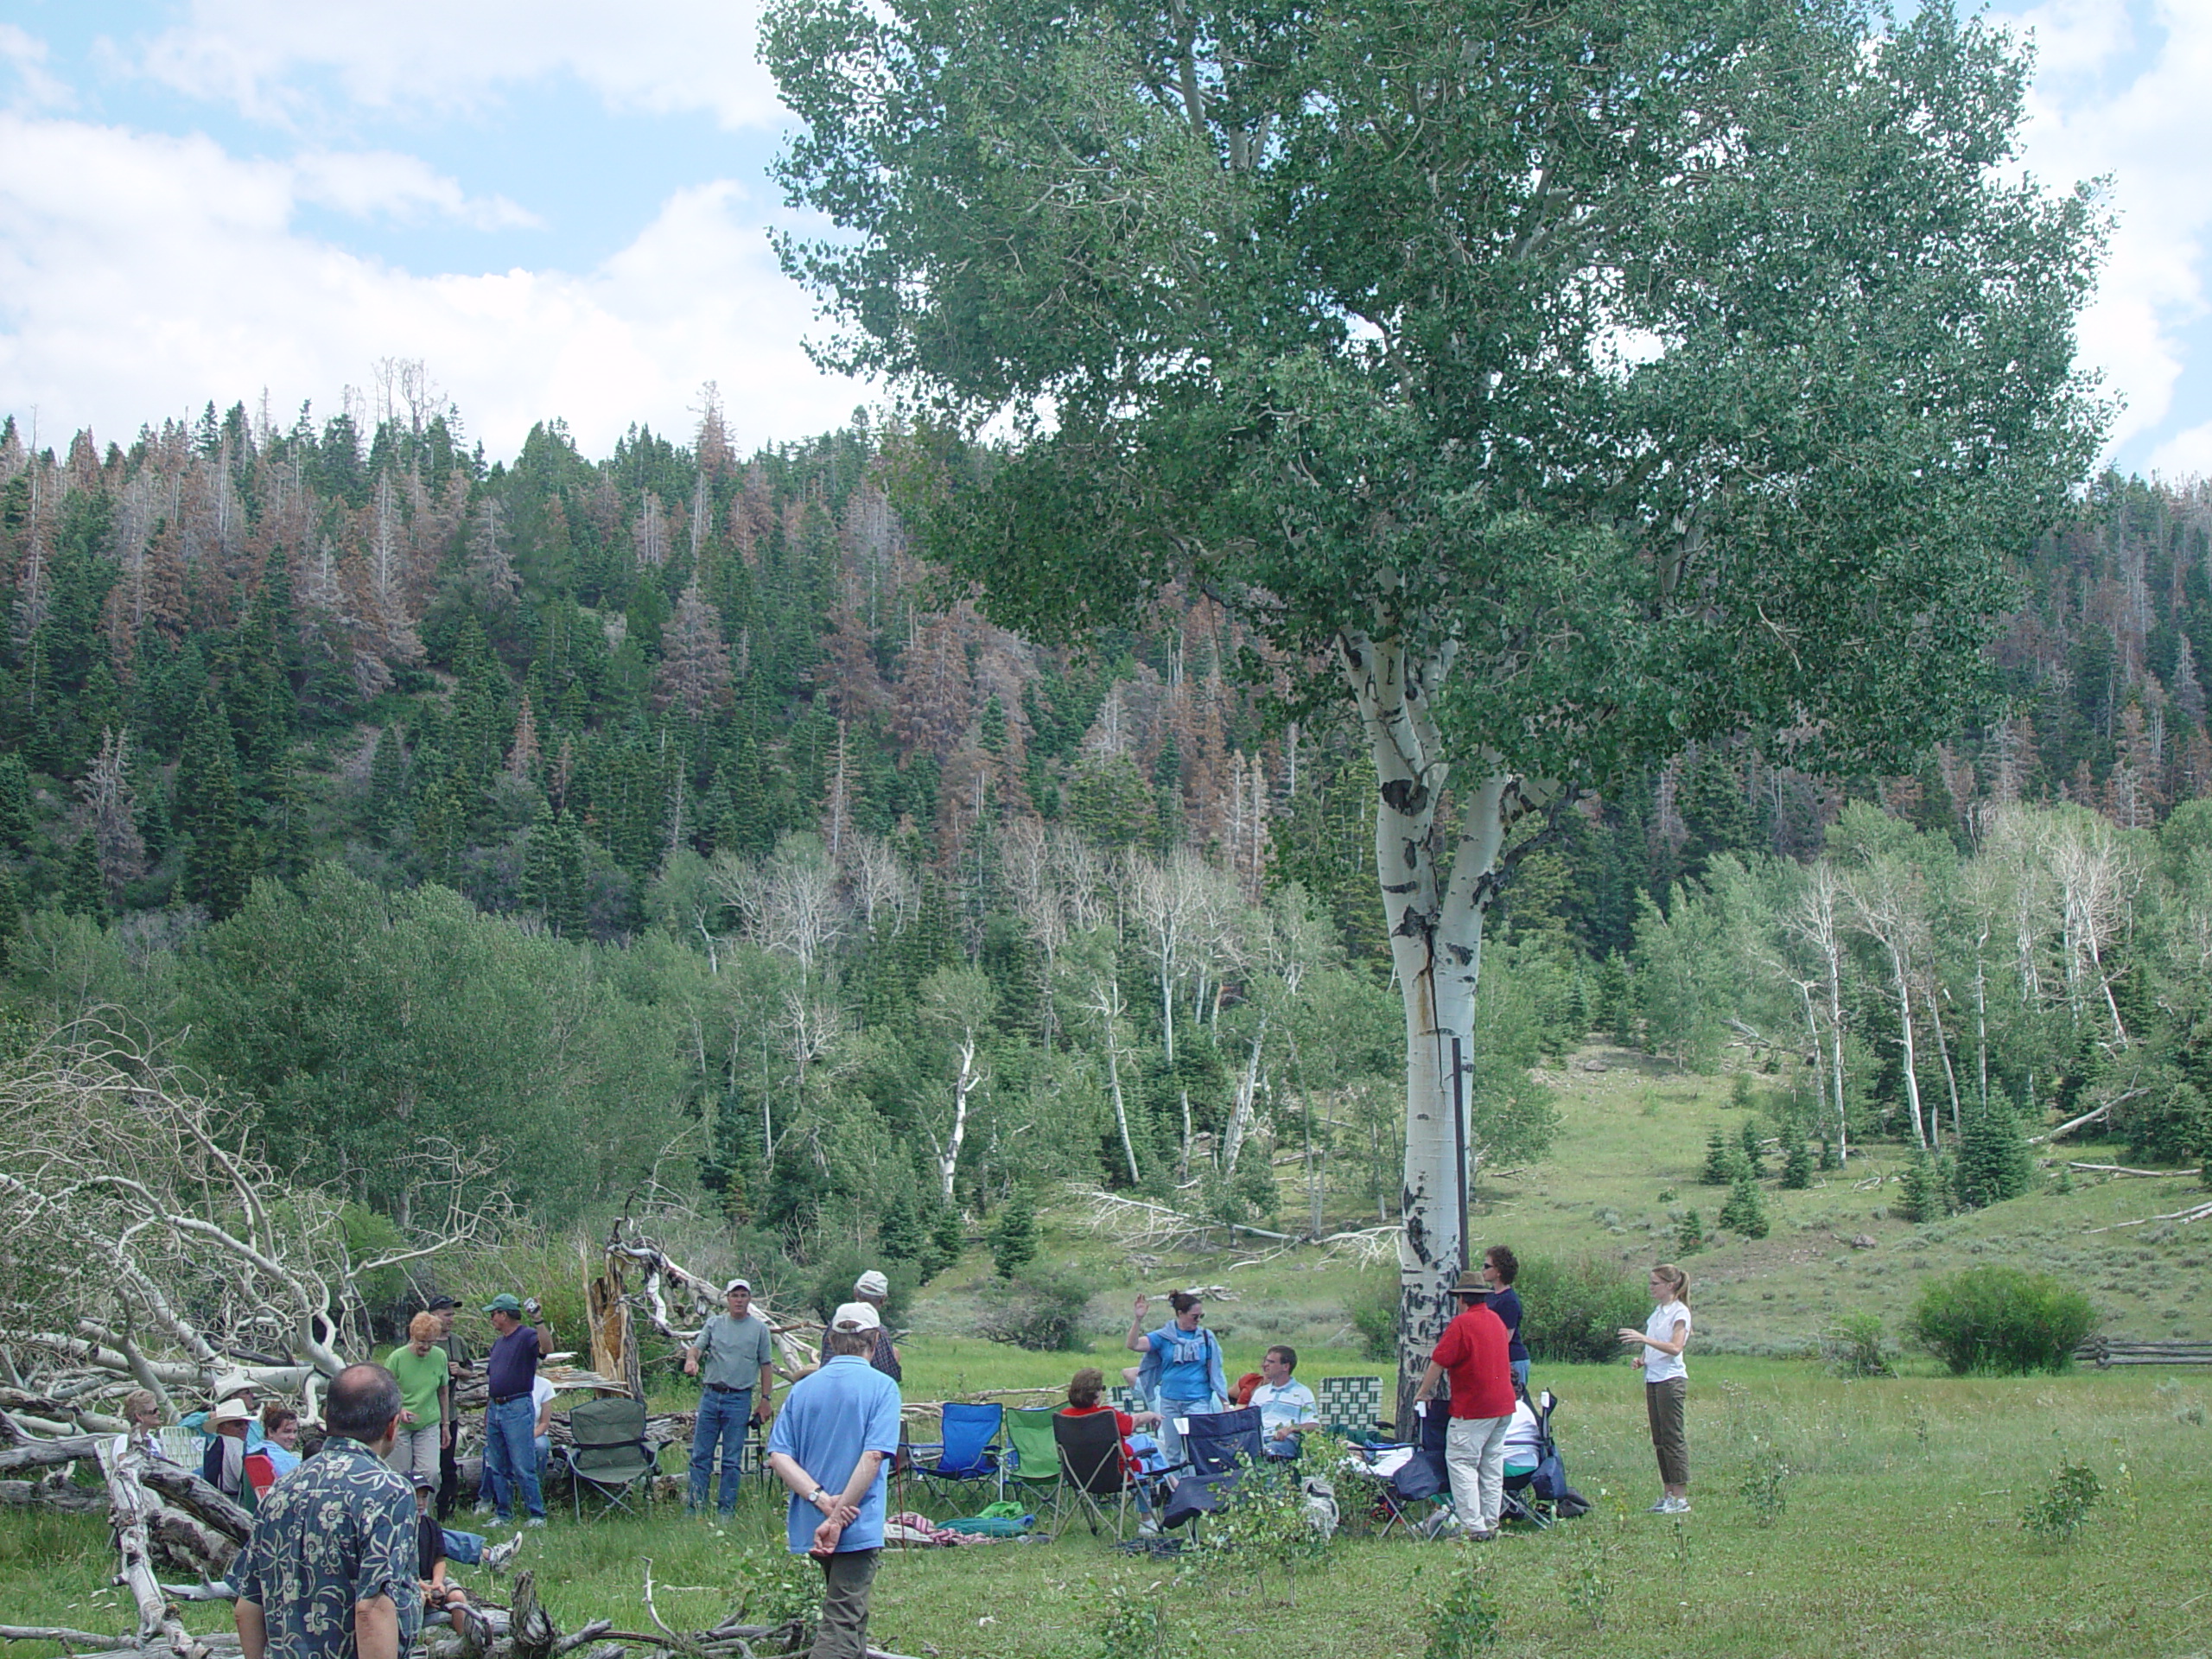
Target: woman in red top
pixel 1476 1354
pixel 1084 1391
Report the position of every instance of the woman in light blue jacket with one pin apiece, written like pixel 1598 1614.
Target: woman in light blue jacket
pixel 1181 1371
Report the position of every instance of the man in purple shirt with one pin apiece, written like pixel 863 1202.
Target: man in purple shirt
pixel 510 1421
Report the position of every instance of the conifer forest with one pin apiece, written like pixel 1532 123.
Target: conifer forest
pixel 662 825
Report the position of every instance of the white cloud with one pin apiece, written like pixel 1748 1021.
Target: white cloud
pixel 2097 110
pixel 142 274
pixel 2185 456
pixel 262 55
pixel 366 184
pixel 24 57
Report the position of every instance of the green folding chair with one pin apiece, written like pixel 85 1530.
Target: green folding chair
pixel 1350 1406
pixel 609 1451
pixel 1033 1474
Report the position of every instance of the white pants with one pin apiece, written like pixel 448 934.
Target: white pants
pixel 1474 1456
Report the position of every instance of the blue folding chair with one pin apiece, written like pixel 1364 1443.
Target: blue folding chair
pixel 967 1456
pixel 1219 1446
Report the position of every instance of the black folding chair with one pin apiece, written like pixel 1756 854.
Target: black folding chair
pixel 1091 1470
pixel 1218 1446
pixel 608 1451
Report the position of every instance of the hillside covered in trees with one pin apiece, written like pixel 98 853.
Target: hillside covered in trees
pixel 659 824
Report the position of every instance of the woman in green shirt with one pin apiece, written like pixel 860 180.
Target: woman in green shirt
pixel 424 1375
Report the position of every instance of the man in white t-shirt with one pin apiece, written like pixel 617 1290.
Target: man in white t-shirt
pixel 1287 1408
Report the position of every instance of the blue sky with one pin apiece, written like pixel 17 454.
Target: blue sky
pixel 559 207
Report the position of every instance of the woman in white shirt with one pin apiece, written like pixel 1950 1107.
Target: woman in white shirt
pixel 1666 1381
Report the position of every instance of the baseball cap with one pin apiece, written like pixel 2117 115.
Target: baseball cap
pixel 503 1303
pixel 437 1302
pixel 871 1283
pixel 745 1285
pixel 855 1317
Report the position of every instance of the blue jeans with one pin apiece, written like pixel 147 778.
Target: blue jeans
pixel 723 1419
pixel 1520 1375
pixel 510 1456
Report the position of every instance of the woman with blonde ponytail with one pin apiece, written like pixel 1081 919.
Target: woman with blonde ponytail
pixel 1666 1381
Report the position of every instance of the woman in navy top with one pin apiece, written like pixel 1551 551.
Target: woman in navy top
pixel 1500 1269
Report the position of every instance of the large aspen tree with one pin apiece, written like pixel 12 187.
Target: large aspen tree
pixel 1551 383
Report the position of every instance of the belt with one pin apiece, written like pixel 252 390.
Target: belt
pixel 727 1388
pixel 507 1399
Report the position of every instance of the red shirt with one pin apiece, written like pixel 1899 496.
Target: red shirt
pixel 1474 1352
pixel 1123 1423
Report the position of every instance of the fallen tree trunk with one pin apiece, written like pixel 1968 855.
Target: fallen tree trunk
pixel 130 1511
pixel 187 1491
pixel 41 1495
pixel 46 1454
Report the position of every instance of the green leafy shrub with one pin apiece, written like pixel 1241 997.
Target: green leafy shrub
pixel 1853 1347
pixel 1375 1314
pixel 1572 1307
pixel 2001 1320
pixel 1467 1619
pixel 1042 1310
pixel 2056 1513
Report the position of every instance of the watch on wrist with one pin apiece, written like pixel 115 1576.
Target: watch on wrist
pixel 817 1495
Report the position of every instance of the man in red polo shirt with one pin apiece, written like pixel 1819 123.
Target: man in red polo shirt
pixel 1476 1353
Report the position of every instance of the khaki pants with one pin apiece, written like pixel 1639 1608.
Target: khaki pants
pixel 414 1452
pixel 846 1579
pixel 1662 1403
pixel 1474 1458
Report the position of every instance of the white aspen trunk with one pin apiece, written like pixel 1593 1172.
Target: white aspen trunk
pixel 1982 1014
pixel 1435 928
pixel 1905 1029
pixel 1943 1050
pixel 948 1150
pixel 1108 1009
pixel 1248 1088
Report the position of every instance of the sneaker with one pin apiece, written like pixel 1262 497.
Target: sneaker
pixel 1149 1527
pixel 1675 1506
pixel 1664 1506
pixel 539 1520
pixel 482 1509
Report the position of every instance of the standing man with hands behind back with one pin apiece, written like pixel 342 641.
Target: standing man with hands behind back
pixel 734 1348
pixel 830 1445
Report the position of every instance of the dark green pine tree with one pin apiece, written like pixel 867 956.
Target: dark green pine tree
pixel 1167 794
pixel 1689 1234
pixel 1743 1212
pixel 11 914
pixel 948 1238
pixel 1013 1235
pixel 257 687
pixel 1797 1168
pixel 441 828
pixel 1748 1138
pixel 1994 1162
pixel 15 817
pixel 1719 1161
pixel 557 875
pixel 220 859
pixel 899 1234
pixel 1923 1199
pixel 388 781
pixel 83 892
pixel 286 820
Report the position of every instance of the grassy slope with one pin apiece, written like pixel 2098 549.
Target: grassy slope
pixel 1901 1535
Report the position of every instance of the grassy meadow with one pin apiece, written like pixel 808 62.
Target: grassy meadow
pixel 1831 1517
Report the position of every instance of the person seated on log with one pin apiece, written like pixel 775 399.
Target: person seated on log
pixel 1084 1389
pixel 438 1595
pixel 201 1423
pixel 1287 1408
pixel 279 1432
pixel 224 1465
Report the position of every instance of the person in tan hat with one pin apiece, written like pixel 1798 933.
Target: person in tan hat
pixel 1475 1353
pixel 874 1289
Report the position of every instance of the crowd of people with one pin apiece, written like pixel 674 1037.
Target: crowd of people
pixel 347 1553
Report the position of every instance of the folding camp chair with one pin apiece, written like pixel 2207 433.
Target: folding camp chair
pixel 1033 1464
pixel 967 1455
pixel 1412 1495
pixel 1218 1448
pixel 1091 1469
pixel 608 1451
pixel 1350 1407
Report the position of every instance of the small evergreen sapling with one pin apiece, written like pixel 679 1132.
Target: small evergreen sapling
pixel 1743 1212
pixel 1797 1168
pixel 1719 1161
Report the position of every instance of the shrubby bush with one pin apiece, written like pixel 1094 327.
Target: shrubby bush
pixel 1375 1314
pixel 2002 1320
pixel 1572 1307
pixel 1041 1311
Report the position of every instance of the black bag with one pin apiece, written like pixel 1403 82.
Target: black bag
pixel 1569 1504
pixel 1549 1482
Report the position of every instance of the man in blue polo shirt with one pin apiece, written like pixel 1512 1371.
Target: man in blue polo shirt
pixel 511 1419
pixel 831 1445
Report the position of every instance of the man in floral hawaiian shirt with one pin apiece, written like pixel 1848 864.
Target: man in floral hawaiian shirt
pixel 330 1570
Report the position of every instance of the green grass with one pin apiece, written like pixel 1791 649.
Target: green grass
pixel 1901 1537
pixel 1901 1532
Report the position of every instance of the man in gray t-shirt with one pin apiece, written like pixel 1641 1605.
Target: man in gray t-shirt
pixel 729 1354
